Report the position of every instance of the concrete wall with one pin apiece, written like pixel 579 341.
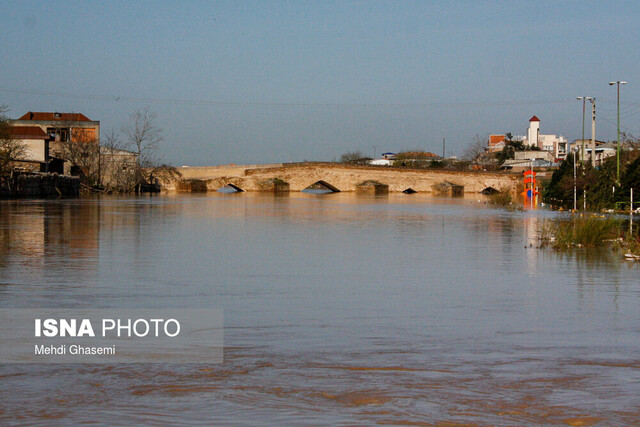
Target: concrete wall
pixel 34 150
pixel 532 155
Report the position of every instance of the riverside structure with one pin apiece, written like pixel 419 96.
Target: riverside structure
pixel 335 177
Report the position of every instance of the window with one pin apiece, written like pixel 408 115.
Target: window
pixel 59 134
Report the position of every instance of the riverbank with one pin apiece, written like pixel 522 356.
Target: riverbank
pixel 39 185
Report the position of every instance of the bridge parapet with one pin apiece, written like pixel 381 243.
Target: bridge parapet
pixel 342 177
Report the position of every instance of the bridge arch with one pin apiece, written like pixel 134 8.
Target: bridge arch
pixel 230 188
pixel 489 190
pixel 322 185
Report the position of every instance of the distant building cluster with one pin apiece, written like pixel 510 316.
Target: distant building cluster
pixel 551 149
pixel 557 145
pixel 595 152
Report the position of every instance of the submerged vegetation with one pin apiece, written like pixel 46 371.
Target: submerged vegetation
pixel 501 198
pixel 631 244
pixel 504 199
pixel 580 231
pixel 570 231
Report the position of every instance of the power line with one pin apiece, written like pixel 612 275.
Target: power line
pixel 613 122
pixel 177 101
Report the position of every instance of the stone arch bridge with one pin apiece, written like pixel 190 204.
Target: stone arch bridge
pixel 335 177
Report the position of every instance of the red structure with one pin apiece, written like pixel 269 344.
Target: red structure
pixel 530 192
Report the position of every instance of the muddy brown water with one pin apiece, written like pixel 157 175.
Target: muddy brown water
pixel 339 309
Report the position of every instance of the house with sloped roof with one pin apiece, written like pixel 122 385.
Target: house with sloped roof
pixel 45 133
pixel 35 142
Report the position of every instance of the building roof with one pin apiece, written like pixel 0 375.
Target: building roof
pixel 47 116
pixel 27 132
pixel 534 119
pixel 494 139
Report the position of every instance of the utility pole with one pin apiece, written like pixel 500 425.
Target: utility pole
pixel 584 99
pixel 443 146
pixel 575 197
pixel 618 83
pixel 593 130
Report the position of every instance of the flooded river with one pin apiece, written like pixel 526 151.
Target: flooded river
pixel 338 309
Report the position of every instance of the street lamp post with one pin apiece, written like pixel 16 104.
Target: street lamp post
pixel 618 83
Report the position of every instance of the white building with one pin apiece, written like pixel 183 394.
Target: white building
pixel 381 162
pixel 595 153
pixel 555 144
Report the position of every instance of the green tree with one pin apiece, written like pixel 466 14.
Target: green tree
pixel 630 179
pixel 511 146
pixel 600 184
pixel 559 191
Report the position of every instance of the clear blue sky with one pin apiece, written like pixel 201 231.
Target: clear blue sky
pixel 271 81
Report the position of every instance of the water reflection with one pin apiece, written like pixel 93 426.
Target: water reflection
pixel 39 236
pixel 339 309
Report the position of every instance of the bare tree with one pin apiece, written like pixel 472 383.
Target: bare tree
pixel 354 158
pixel 82 151
pixel 143 136
pixel 476 149
pixel 629 141
pixel 112 140
pixel 10 149
pixel 118 166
